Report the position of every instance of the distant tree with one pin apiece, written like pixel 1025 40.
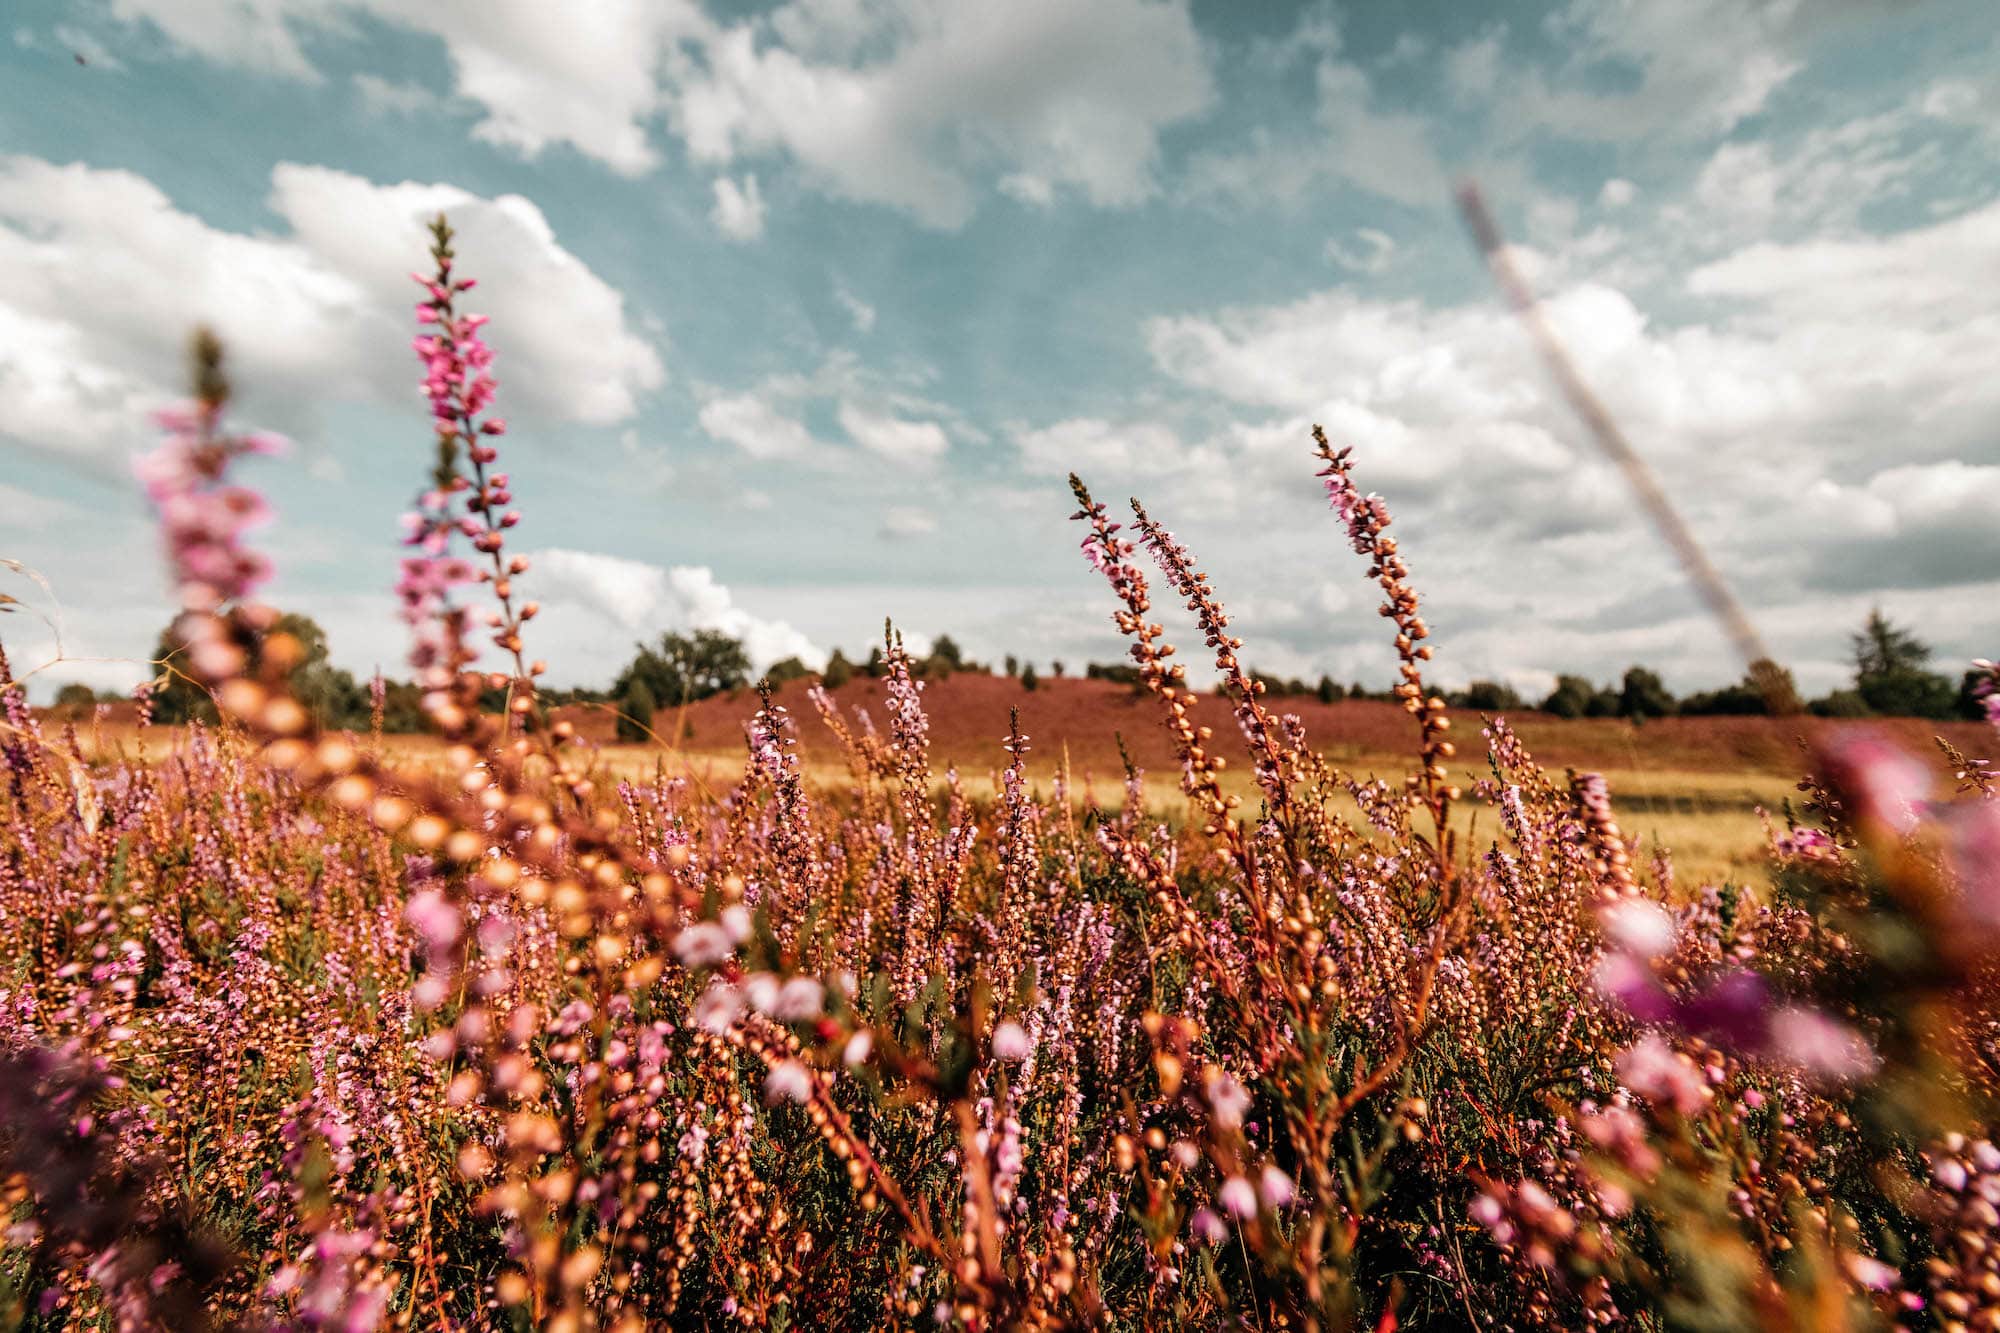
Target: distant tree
pixel 76 695
pixel 1013 665
pixel 686 668
pixel 1056 669
pixel 1028 681
pixel 876 665
pixel 1570 698
pixel 945 649
pixel 1603 702
pixel 1124 673
pixel 1765 682
pixel 636 707
pixel 1841 703
pixel 1973 693
pixel 1889 672
pixel 1488 696
pixel 1329 693
pixel 838 671
pixel 1644 694
pixel 1357 691
pixel 326 691
pixel 786 668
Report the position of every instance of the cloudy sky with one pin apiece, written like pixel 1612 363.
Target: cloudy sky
pixel 803 311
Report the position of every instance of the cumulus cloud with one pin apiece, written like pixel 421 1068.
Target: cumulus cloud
pixel 911 104
pixel 739 208
pixel 893 437
pixel 750 423
pixel 644 600
pixel 582 75
pixel 101 276
pixel 904 523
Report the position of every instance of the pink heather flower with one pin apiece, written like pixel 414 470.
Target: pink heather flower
pixel 1975 859
pixel 1951 1174
pixel 1663 1075
pixel 719 1007
pixel 1237 1198
pixel 436 920
pixel 1227 1099
pixel 703 944
pixel 1822 1046
pixel 1638 926
pixel 760 990
pixel 1010 1042
pixel 735 922
pixel 1889 786
pixel 800 1000
pixel 1275 1188
pixel 855 1053
pixel 1871 1273
pixel 788 1081
pixel 1208 1227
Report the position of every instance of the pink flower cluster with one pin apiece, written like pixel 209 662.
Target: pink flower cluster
pixel 202 517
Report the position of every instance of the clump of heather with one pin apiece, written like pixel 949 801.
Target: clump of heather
pixel 295 1034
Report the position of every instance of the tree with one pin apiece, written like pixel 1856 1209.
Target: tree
pixel 1013 665
pixel 327 692
pixel 945 652
pixel 1329 693
pixel 838 671
pixel 1056 669
pixel 1028 681
pixel 685 668
pixel 1889 672
pixel 636 707
pixel 76 698
pixel 1488 696
pixel 1570 698
pixel 784 669
pixel 1644 694
pixel 1763 685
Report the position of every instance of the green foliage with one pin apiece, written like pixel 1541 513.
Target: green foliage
pixel 636 707
pixel 686 668
pixel 838 671
pixel 786 669
pixel 1488 696
pixel 1644 694
pixel 326 691
pixel 1889 673
pixel 1570 698
pixel 1328 692
pixel 1028 679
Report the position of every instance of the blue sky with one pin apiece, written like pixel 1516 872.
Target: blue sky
pixel 803 311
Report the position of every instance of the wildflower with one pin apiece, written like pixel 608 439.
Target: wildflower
pixel 1010 1042
pixel 1227 1098
pixel 1275 1188
pixel 1208 1226
pixel 1237 1197
pixel 1638 927
pixel 704 944
pixel 787 1081
pixel 1663 1075
pixel 855 1052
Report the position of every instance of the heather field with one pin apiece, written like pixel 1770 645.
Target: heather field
pixel 759 988
pixel 962 1002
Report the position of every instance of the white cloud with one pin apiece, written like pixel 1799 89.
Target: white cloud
pixel 905 523
pixel 582 75
pixel 760 430
pixel 645 600
pixel 1352 140
pixel 858 310
pixel 101 277
pixel 387 97
pixel 1073 96
pixel 739 209
pixel 1093 446
pixel 1617 193
pixel 1376 251
pixel 893 437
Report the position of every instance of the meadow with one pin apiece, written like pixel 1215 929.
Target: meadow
pixel 921 1004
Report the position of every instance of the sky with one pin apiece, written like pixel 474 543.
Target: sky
pixel 803 312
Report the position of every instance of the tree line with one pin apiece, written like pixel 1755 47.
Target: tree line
pixel 1892 678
